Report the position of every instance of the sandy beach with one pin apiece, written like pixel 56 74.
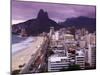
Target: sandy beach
pixel 23 56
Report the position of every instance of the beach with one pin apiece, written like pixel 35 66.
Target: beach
pixel 23 56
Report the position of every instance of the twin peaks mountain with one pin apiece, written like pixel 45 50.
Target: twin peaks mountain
pixel 43 23
pixel 36 26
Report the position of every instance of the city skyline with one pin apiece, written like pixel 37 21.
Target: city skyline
pixel 53 38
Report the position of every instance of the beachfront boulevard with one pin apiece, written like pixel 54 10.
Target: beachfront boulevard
pixel 52 37
pixel 31 59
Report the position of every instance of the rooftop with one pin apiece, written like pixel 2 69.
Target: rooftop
pixel 80 53
pixel 55 58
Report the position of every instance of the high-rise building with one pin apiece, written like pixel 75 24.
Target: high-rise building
pixel 93 39
pixel 86 55
pixel 51 31
pixel 59 50
pixel 82 43
pixel 68 37
pixel 92 55
pixel 87 39
pixel 56 63
pixel 77 34
pixel 56 36
pixel 80 58
pixel 83 31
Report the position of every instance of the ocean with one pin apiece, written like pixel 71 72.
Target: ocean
pixel 19 43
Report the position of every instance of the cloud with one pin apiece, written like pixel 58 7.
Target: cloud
pixel 26 10
pixel 17 21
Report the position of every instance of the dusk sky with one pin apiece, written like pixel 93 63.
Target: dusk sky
pixel 22 11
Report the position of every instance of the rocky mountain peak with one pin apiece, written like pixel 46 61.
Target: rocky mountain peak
pixel 42 15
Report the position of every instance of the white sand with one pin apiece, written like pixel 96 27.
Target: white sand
pixel 24 55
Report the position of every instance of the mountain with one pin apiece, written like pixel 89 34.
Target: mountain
pixel 36 26
pixel 43 23
pixel 80 22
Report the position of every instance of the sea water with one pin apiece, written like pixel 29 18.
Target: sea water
pixel 19 43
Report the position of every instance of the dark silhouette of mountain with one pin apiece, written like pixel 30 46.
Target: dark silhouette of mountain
pixel 43 23
pixel 36 26
pixel 81 22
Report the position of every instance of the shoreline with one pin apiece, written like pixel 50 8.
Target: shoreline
pixel 17 47
pixel 24 55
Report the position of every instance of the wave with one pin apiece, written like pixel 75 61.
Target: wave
pixel 16 47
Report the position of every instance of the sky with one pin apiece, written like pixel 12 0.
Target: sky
pixel 22 11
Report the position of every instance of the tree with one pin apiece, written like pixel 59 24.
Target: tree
pixel 50 53
pixel 71 68
pixel 74 67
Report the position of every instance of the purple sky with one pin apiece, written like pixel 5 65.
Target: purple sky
pixel 22 11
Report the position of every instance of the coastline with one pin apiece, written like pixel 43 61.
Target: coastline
pixel 24 55
pixel 25 43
